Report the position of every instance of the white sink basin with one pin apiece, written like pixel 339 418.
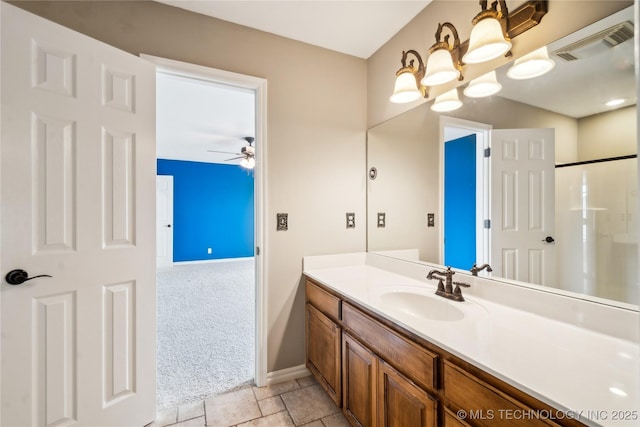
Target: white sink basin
pixel 421 306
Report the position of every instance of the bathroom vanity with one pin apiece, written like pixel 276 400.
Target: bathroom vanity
pixel 391 353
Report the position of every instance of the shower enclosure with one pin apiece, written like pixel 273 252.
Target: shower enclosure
pixel 596 228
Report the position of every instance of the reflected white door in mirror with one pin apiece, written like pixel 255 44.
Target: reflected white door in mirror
pixel 498 200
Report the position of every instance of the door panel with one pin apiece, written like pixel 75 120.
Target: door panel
pixel 359 374
pixel 523 204
pixel 77 202
pixel 401 403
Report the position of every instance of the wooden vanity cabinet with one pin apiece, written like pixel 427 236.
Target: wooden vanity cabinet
pixel 386 376
pixel 323 340
pixel 402 403
pixel 360 380
pixel 375 394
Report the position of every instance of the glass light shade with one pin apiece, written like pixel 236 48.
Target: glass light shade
pixel 244 163
pixel 251 163
pixel 440 68
pixel 486 42
pixel 406 89
pixel 448 101
pixel 533 64
pixel 486 85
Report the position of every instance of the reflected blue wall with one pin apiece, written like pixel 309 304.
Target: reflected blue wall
pixel 460 202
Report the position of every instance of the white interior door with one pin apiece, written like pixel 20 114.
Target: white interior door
pixel 522 204
pixel 164 220
pixel 77 176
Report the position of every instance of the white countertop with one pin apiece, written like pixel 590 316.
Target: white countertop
pixel 571 368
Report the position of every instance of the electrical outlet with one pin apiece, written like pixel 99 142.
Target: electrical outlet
pixel 209 251
pixel 351 220
pixel 381 219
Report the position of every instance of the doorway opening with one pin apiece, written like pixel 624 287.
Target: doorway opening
pixel 210 293
pixel 465 178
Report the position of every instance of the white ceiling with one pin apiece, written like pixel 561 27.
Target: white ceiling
pixel 194 116
pixel 354 27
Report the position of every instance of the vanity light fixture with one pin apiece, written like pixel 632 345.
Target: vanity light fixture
pixel 489 38
pixel 533 64
pixel 448 101
pixel 483 86
pixel 407 80
pixel 443 64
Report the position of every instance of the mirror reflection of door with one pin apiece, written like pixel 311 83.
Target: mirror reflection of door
pixel 522 205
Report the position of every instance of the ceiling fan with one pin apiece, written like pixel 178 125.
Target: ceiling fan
pixel 247 154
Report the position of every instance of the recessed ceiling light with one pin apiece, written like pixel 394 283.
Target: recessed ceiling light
pixel 614 102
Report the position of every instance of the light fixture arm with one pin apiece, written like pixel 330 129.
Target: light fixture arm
pixel 454 32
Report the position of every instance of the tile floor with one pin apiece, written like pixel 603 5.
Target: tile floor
pixel 300 402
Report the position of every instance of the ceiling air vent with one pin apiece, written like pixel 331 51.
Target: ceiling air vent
pixel 596 43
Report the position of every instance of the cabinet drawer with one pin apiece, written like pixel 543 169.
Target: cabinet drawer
pixel 323 300
pixel 488 405
pixel 407 357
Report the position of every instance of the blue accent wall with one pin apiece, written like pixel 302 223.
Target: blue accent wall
pixel 460 202
pixel 212 208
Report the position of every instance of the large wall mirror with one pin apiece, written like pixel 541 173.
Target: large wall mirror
pixel 564 216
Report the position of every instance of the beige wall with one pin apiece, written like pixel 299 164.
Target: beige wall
pixel 316 134
pixel 564 18
pixel 609 134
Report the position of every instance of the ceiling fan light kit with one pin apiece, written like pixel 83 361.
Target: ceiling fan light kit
pixel 491 34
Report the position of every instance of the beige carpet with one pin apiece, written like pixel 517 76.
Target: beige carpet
pixel 206 330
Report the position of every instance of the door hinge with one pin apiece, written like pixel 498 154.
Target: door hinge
pixel 487 152
pixel 257 250
pixel 487 223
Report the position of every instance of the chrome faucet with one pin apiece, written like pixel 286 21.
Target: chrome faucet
pixel 447 289
pixel 475 269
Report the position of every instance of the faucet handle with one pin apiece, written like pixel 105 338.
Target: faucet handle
pixel 457 293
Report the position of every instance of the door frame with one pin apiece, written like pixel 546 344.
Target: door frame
pixel 483 184
pixel 259 86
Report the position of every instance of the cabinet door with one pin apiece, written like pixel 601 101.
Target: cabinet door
pixel 401 403
pixel 323 352
pixel 359 371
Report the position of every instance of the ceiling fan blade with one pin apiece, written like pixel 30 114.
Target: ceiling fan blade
pixel 223 152
pixel 235 158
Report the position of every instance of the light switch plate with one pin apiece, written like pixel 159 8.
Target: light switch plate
pixel 283 221
pixel 431 220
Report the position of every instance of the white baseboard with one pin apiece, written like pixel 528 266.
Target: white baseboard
pixel 287 374
pixel 209 261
